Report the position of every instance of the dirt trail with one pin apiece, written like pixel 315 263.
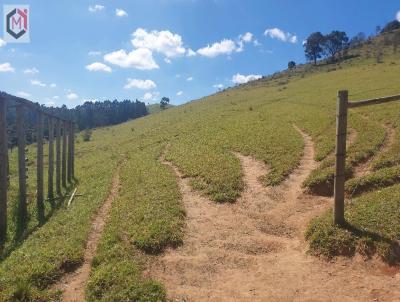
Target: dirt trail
pixel 73 284
pixel 254 250
pixel 365 167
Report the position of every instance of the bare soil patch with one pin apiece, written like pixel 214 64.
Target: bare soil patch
pixel 254 249
pixel 73 284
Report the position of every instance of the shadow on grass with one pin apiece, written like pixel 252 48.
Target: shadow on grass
pixel 369 242
pixel 21 231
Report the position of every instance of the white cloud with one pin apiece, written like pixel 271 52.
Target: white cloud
pixel 56 97
pixel 218 48
pixel 241 79
pixel 397 17
pixel 23 94
pixel 32 70
pixel 256 43
pixel 94 53
pixel 53 85
pixel 89 100
pixel 151 96
pixel 140 58
pixel 190 53
pixel 38 83
pixel 50 104
pixel 179 93
pixel 140 84
pixel 247 37
pixel 168 61
pixel 189 79
pixel 97 66
pixel 120 13
pixel 72 96
pixel 6 67
pixel 164 42
pixel 279 34
pixel 96 8
pixel 2 42
pixel 218 86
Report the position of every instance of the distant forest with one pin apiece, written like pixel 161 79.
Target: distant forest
pixel 87 116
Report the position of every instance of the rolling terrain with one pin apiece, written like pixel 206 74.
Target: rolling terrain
pixel 221 197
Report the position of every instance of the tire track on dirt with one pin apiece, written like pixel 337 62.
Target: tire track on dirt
pixel 73 284
pixel 254 249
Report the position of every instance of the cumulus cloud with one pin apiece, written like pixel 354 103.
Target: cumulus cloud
pixel 397 17
pixel 141 58
pixel 53 85
pixel 72 96
pixel 94 53
pixel 96 8
pixel 276 33
pixel 223 47
pixel 140 84
pixel 38 83
pixel 6 67
pixel 23 94
pixel 247 37
pixel 218 86
pixel 120 13
pixel 2 42
pixel 164 42
pixel 151 96
pixel 168 61
pixel 179 93
pixel 97 66
pixel 32 70
pixel 241 79
pixel 190 53
pixel 189 79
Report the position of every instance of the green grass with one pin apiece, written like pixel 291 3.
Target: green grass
pixel 373 226
pixel 255 119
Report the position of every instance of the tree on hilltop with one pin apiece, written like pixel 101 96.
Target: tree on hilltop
pixel 164 103
pixel 313 47
pixel 334 43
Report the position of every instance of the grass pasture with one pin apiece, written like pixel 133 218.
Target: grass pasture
pixel 254 119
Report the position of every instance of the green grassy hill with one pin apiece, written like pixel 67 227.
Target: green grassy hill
pixel 254 119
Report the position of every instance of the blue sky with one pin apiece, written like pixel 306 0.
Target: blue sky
pixel 182 49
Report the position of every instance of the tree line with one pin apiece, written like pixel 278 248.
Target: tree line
pixel 333 45
pixel 87 116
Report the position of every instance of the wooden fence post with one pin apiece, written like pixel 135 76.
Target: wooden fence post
pixel 69 165
pixel 3 169
pixel 39 168
pixel 58 157
pixel 73 150
pixel 340 166
pixel 64 156
pixel 22 208
pixel 50 194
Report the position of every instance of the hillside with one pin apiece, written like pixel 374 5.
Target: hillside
pixel 224 186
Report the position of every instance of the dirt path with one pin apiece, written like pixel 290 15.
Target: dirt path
pixel 73 284
pixel 365 167
pixel 254 250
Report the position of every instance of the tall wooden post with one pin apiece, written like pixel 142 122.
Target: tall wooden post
pixel 22 208
pixel 3 169
pixel 73 150
pixel 64 156
pixel 39 169
pixel 341 130
pixel 58 157
pixel 69 164
pixel 50 194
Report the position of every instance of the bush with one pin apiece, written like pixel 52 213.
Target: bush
pixel 87 135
